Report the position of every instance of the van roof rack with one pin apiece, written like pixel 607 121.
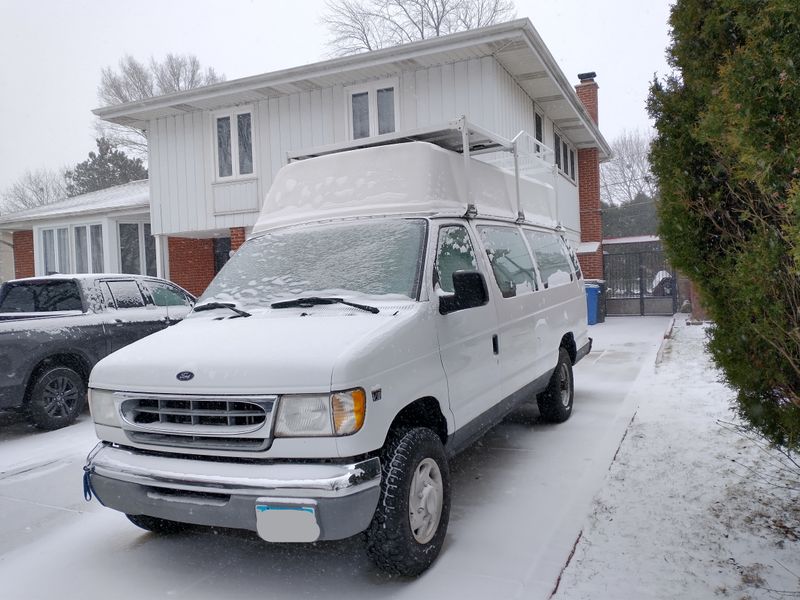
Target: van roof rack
pixel 459 136
pixel 453 136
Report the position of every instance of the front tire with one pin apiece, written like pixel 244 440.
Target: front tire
pixel 555 402
pixel 410 523
pixel 57 398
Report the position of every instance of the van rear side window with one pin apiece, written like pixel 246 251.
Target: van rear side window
pixel 511 262
pixel 551 256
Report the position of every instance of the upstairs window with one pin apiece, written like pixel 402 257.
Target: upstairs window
pixel 565 156
pixel 539 130
pixel 234 143
pixel 372 109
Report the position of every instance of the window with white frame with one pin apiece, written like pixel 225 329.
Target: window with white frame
pixel 72 249
pixel 137 249
pixel 87 242
pixel 564 156
pixel 55 250
pixel 372 109
pixel 233 134
pixel 538 131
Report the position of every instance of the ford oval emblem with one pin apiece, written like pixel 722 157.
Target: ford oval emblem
pixel 185 376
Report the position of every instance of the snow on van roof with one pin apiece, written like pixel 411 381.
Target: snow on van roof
pixel 400 179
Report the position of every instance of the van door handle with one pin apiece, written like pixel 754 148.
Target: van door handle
pixel 495 344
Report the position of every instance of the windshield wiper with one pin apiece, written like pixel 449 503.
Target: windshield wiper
pixel 228 305
pixel 310 301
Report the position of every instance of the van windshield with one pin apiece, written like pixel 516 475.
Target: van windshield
pixel 380 258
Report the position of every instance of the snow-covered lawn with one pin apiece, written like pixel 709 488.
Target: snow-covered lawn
pixel 691 507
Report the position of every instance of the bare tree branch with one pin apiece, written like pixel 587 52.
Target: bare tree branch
pixel 627 175
pixel 133 80
pixel 363 25
pixel 34 188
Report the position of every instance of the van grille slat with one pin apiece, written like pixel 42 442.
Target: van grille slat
pixel 208 422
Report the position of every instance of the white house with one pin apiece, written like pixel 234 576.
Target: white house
pixel 213 151
pixel 6 256
pixel 101 232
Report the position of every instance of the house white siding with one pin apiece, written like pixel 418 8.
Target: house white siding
pixel 6 257
pixel 186 198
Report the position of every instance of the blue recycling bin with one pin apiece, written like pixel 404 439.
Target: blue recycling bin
pixel 592 302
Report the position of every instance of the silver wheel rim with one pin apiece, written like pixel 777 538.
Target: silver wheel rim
pixel 425 500
pixel 564 384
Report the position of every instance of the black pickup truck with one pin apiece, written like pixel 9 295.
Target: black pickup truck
pixel 54 329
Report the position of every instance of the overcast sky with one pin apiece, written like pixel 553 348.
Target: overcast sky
pixel 52 51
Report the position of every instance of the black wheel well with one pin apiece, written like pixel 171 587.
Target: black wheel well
pixel 64 359
pixel 423 412
pixel 568 343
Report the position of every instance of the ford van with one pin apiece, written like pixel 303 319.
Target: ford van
pixel 391 305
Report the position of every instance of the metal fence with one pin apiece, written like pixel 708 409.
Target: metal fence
pixel 640 283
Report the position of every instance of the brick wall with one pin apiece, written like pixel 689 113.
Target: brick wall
pixel 589 187
pixel 591 264
pixel 237 238
pixel 191 263
pixel 587 94
pixel 23 254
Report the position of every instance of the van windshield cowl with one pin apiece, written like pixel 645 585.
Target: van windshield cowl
pixel 377 258
pixel 308 301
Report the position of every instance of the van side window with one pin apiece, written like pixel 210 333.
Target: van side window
pixel 572 257
pixel 511 262
pixel 454 253
pixel 551 256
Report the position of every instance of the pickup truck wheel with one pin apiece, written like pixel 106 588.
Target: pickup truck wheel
pixel 57 398
pixel 555 402
pixel 156 525
pixel 408 529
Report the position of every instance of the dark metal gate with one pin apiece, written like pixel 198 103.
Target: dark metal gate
pixel 640 283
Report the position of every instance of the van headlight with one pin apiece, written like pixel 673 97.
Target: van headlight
pixel 103 408
pixel 340 413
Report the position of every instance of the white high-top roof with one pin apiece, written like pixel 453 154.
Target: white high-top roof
pixel 399 179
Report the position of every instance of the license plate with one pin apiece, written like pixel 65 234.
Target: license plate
pixel 287 522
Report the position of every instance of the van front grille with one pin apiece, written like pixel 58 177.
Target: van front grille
pixel 207 422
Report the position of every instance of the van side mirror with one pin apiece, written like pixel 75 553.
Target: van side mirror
pixel 470 291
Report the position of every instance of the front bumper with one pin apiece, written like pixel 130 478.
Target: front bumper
pixel 225 494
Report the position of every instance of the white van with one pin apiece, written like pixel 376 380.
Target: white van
pixel 390 306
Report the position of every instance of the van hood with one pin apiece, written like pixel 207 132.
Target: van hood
pixel 271 352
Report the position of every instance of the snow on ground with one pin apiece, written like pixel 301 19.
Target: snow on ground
pixel 691 507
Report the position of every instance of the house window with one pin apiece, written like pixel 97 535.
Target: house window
pixel 137 249
pixel 557 149
pixel 55 248
pixel 565 156
pixel 538 131
pixel 372 109
pixel 572 163
pixel 234 144
pixel 88 246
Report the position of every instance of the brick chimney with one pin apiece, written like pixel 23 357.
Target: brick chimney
pixel 589 187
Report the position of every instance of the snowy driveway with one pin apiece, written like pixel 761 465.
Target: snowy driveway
pixel 520 497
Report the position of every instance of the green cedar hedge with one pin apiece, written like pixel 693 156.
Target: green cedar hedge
pixel 727 158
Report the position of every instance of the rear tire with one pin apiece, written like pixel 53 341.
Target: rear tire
pixel 156 525
pixel 57 398
pixel 410 523
pixel 555 402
